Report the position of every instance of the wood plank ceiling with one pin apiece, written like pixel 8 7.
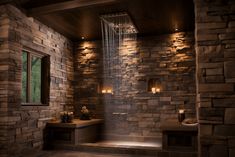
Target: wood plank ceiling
pixel 80 18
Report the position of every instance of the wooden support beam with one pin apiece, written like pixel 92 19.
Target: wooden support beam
pixel 65 6
pixel 2 2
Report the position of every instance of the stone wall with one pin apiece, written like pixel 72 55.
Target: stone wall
pixel 4 27
pixel 22 126
pixel 215 49
pixel 133 111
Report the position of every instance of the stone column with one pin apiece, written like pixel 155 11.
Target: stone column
pixel 215 49
pixel 4 68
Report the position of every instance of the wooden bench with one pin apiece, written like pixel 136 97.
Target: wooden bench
pixel 79 131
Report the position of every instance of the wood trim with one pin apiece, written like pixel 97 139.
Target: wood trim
pixel 28 94
pixel 2 2
pixel 34 52
pixel 46 9
pixel 45 90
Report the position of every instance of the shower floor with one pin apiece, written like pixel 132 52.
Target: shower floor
pixel 123 147
pixel 120 148
pixel 129 144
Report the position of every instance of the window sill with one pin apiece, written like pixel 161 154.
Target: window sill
pixel 34 106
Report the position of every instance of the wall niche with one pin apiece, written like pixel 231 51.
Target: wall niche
pixel 153 85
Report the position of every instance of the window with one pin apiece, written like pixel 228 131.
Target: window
pixel 35 78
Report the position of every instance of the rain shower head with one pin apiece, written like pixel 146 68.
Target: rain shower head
pixel 120 23
pixel 117 30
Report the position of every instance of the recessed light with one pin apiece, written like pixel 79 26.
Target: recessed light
pixel 83 38
pixel 176 29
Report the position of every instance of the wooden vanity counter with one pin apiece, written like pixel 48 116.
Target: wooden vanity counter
pixel 179 137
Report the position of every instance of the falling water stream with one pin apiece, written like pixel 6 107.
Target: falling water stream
pixel 116 29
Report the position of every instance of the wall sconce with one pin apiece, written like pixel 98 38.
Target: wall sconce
pixel 155 90
pixel 154 86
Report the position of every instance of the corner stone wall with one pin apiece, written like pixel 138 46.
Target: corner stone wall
pixel 22 126
pixel 215 49
pixel 133 111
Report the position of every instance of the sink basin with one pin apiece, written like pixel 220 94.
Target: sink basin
pixel 190 122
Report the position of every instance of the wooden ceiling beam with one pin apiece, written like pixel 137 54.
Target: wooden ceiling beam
pixel 2 2
pixel 46 9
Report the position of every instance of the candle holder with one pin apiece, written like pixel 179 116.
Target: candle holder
pixel 66 117
pixel 181 115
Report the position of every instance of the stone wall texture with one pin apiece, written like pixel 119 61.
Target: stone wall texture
pixel 133 111
pixel 215 49
pixel 22 126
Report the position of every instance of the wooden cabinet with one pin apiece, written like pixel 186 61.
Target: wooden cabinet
pixel 179 137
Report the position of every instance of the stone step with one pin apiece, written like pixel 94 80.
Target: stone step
pixel 120 149
pixel 90 147
pixel 133 150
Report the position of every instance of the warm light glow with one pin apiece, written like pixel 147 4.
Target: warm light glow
pixel 109 91
pixel 155 90
pixel 104 91
pixel 87 44
pixel 181 111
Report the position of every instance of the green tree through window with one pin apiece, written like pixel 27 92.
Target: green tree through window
pixel 24 77
pixel 34 73
pixel 36 79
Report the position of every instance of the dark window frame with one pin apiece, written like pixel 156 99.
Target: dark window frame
pixel 45 78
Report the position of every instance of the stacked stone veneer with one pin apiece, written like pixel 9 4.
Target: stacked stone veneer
pixel 215 48
pixel 133 111
pixel 22 126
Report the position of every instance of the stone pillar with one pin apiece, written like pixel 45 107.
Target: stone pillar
pixel 215 49
pixel 4 30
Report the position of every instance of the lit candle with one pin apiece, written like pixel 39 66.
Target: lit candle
pixel 109 91
pixel 158 90
pixel 104 91
pixel 181 111
pixel 153 90
pixel 181 115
